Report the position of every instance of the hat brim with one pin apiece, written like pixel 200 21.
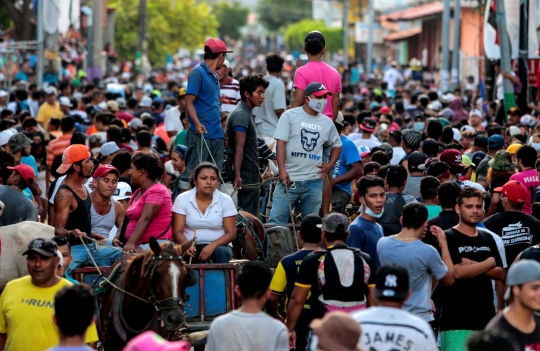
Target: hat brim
pixel 120 198
pixel 64 167
pixel 39 251
pixel 320 93
pixel 398 295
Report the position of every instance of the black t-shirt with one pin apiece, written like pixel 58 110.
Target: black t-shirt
pixel 308 276
pixel 526 342
pixel 241 117
pixel 517 230
pixel 468 303
pixel 445 220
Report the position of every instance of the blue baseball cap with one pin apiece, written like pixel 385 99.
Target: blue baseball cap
pixel 317 89
pixel 496 141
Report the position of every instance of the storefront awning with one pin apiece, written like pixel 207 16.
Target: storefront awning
pixel 416 12
pixel 402 34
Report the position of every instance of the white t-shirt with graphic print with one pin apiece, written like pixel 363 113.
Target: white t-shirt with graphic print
pixel 306 136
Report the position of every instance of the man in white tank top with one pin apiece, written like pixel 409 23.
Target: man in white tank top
pixel 106 212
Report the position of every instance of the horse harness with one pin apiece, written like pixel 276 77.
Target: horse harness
pixel 244 224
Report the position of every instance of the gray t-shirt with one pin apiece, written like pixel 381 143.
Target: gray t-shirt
pixel 274 99
pixel 242 117
pixel 482 169
pixel 71 348
pixel 18 208
pixel 240 331
pixel 413 186
pixel 421 261
pixel 306 136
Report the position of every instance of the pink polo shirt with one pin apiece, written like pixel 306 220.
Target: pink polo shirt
pixel 319 72
pixel 530 179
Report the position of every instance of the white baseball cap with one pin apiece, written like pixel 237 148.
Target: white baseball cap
pixel 475 112
pixel 3 93
pixel 146 101
pixel 64 100
pixel 514 131
pixel 122 192
pixel 4 137
pixel 457 134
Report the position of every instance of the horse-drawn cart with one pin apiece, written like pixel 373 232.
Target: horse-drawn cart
pixel 212 295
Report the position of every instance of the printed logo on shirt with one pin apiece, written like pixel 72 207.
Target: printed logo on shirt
pixel 309 139
pixel 531 179
pixel 473 249
pixel 516 234
pixel 38 303
pixel 382 340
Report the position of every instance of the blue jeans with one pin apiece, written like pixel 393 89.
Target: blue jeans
pixel 193 141
pixel 307 192
pixel 222 254
pixel 104 256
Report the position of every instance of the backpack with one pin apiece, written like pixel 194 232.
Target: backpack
pixel 392 213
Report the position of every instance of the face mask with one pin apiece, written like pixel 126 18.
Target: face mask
pixel 536 146
pixel 317 105
pixel 419 126
pixel 370 213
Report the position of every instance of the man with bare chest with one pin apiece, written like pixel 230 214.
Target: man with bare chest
pixel 73 211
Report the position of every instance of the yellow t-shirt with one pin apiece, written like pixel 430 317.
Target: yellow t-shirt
pixel 46 112
pixel 26 316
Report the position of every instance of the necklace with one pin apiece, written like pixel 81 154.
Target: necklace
pixel 17 188
pixel 403 239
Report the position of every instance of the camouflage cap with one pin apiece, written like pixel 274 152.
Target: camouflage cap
pixel 334 222
pixel 502 161
pixel 18 142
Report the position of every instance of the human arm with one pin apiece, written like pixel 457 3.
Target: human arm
pixel 511 77
pixel 119 221
pixel 354 172
pixel 280 157
pixel 298 99
pixel 335 105
pixel 63 203
pixel 496 273
pixel 239 143
pixel 326 168
pixel 3 340
pixel 229 225
pixel 449 277
pixel 190 107
pixel 296 304
pixel 470 269
pixel 278 286
pixel 500 287
pixel 149 211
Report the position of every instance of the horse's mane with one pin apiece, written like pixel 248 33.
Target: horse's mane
pixel 138 266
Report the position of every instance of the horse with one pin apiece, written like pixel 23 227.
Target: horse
pixel 148 294
pixel 251 241
pixel 14 240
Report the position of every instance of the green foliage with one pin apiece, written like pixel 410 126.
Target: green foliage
pixel 230 18
pixel 296 33
pixel 274 14
pixel 5 19
pixel 171 24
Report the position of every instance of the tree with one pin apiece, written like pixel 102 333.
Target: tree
pixel 296 33
pixel 230 18
pixel 274 14
pixel 22 16
pixel 171 25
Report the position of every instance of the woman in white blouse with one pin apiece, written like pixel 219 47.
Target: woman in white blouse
pixel 208 212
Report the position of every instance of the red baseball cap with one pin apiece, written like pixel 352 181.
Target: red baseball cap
pixel 513 191
pixel 452 157
pixel 368 124
pixel 385 110
pixel 26 172
pixel 103 170
pixel 72 154
pixel 216 46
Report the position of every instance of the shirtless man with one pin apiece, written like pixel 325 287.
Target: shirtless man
pixel 73 218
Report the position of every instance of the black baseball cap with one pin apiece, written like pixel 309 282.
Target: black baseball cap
pixel 43 247
pixel 481 141
pixel 317 89
pixel 392 283
pixel 430 147
pixel 416 159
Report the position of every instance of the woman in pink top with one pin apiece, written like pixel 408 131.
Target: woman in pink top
pixel 150 210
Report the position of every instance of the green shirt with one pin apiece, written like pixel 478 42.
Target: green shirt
pixel 181 138
pixel 433 211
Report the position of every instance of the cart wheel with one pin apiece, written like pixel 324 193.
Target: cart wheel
pixel 199 347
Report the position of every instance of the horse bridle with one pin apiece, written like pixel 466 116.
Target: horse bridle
pixel 168 303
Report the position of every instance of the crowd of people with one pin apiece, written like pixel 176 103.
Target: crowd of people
pixel 420 209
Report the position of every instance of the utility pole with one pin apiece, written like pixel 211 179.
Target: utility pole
pixel 371 14
pixel 346 33
pixel 97 38
pixel 445 48
pixel 142 33
pixel 504 43
pixel 41 44
pixel 457 41
pixel 523 97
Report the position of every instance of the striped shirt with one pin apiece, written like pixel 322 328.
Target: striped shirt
pixel 229 95
pixel 57 147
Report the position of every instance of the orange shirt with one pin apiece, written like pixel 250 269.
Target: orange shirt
pixel 57 147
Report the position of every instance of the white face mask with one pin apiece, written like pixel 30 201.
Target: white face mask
pixel 370 213
pixel 317 105
pixel 536 146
